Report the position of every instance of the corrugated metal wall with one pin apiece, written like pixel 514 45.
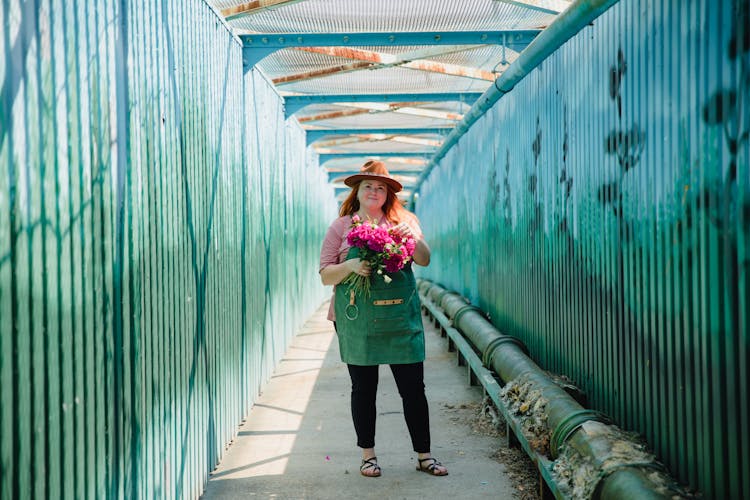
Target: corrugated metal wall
pixel 601 213
pixel 160 228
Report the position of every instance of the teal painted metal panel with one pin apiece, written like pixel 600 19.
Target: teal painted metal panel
pixel 608 226
pixel 160 225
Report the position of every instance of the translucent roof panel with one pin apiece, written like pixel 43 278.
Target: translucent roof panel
pixel 337 16
pixel 449 53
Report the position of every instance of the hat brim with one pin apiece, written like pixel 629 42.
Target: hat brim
pixel 390 181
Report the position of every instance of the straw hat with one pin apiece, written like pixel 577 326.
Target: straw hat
pixel 374 170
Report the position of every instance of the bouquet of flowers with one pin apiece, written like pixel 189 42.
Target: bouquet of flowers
pixel 386 252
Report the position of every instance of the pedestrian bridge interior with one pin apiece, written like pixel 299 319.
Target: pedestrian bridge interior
pixel 168 170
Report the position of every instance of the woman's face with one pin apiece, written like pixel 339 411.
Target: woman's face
pixel 372 194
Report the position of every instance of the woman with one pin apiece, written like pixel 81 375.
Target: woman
pixel 373 197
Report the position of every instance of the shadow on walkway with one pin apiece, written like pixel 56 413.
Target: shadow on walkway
pixel 299 443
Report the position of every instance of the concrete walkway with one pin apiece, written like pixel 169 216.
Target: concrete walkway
pixel 299 441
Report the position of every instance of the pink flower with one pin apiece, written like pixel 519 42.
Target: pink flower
pixel 384 250
pixel 393 263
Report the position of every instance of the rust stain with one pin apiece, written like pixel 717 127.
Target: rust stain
pixel 334 114
pixel 346 52
pixel 308 75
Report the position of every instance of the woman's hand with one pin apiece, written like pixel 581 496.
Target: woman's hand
pixel 336 273
pixel 404 230
pixel 422 250
pixel 359 266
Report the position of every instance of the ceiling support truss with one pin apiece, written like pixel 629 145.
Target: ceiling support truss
pixel 375 60
pixel 259 45
pixel 293 103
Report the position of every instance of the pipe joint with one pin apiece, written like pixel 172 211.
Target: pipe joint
pixel 570 424
pixel 495 344
pixel 463 310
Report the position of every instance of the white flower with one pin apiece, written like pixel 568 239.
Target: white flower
pixel 387 278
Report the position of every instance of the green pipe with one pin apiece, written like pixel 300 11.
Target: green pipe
pixel 586 432
pixel 562 29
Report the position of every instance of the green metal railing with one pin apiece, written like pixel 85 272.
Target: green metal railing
pixel 576 450
pixel 160 225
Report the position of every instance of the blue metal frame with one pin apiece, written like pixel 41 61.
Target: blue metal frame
pixel 322 158
pixel 316 135
pixel 293 103
pixel 258 46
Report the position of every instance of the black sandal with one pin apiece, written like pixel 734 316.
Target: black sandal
pixel 370 464
pixel 432 468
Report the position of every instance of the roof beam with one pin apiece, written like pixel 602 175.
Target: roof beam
pixel 406 110
pixel 546 6
pixel 372 60
pixel 293 103
pixel 412 164
pixel 290 40
pixel 333 115
pixel 354 154
pixel 321 73
pixel 360 138
pixel 256 46
pixel 249 8
pixel 316 135
pixel 322 158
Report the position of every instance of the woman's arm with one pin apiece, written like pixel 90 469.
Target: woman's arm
pixel 336 273
pixel 333 272
pixel 411 229
pixel 422 253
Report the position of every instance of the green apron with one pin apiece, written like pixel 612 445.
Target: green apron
pixel 384 327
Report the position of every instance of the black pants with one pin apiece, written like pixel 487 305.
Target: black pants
pixel 410 383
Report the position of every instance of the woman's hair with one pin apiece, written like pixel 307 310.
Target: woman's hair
pixel 392 208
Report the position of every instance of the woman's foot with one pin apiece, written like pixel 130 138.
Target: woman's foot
pixel 370 467
pixel 431 466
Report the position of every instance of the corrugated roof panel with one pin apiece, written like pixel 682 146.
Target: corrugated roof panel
pixel 331 16
pixel 380 70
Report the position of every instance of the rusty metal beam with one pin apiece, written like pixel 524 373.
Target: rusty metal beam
pixel 407 108
pixel 451 69
pixel 321 73
pixel 371 60
pixel 250 8
pixel 332 115
pixel 360 138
